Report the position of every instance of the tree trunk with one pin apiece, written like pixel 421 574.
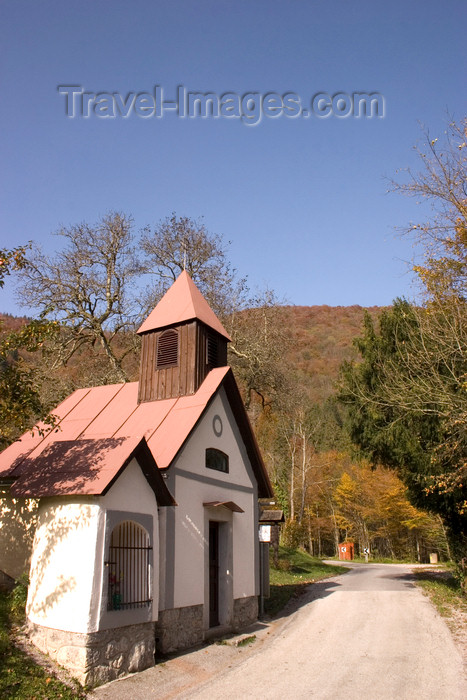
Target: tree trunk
pixel 336 529
pixel 113 360
pixel 292 487
pixel 445 537
pixel 303 477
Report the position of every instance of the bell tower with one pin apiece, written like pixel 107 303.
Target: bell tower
pixel 182 340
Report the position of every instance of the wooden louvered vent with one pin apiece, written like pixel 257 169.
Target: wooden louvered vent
pixel 167 349
pixel 212 354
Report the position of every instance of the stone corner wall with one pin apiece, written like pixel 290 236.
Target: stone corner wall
pixel 179 628
pixel 7 583
pixel 245 612
pixel 98 657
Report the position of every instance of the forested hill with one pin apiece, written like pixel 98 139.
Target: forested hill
pixel 322 337
pixel 11 323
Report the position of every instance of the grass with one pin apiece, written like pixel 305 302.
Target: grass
pixel 374 559
pixel 384 560
pixel 295 571
pixel 20 677
pixel 443 590
pixel 247 640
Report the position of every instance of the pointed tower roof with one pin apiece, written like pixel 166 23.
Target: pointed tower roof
pixel 182 302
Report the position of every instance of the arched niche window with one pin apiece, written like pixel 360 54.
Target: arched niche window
pixel 215 459
pixel 129 562
pixel 167 349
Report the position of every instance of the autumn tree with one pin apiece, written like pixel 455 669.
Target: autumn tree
pixel 259 346
pixel 437 355
pixel 179 243
pixel 302 469
pixel 374 511
pixel 86 286
pixel 11 260
pixel 442 184
pixel 407 397
pixel 321 511
pixel 93 287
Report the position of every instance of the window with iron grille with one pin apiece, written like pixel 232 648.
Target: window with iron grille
pixel 215 459
pixel 167 349
pixel 128 566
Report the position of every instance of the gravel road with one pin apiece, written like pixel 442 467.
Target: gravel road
pixel 370 634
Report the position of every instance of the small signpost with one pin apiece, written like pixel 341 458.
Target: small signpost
pixel 264 540
pixel 264 533
pixel 366 551
pixel 268 533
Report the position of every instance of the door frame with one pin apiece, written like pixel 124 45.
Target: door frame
pixel 224 526
pixel 214 573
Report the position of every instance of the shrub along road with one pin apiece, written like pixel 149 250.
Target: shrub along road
pixel 369 634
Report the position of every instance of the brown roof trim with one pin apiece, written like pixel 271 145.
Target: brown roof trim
pixel 272 516
pixel 224 504
pixel 265 489
pixel 153 475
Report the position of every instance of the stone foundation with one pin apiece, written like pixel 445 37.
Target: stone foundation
pixel 182 628
pixel 245 612
pixel 179 628
pixel 98 657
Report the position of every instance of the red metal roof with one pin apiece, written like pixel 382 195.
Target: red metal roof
pixel 74 466
pixel 87 467
pixel 12 457
pixel 182 302
pixel 106 421
pixel 112 411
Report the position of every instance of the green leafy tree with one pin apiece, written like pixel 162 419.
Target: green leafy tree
pixel 408 396
pixel 11 260
pixel 21 402
pixel 396 415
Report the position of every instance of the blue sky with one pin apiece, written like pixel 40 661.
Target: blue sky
pixel 303 200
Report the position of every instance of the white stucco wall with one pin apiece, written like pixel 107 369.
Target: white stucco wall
pixel 67 566
pixel 131 493
pixel 18 518
pixel 192 484
pixel 62 564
